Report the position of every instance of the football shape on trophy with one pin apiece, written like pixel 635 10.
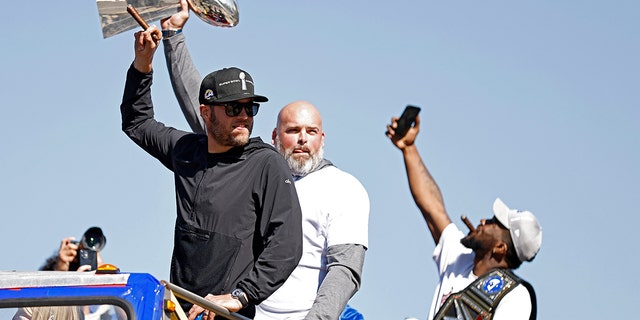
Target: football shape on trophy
pixel 220 13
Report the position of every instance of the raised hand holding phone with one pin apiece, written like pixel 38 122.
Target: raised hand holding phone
pixel 406 120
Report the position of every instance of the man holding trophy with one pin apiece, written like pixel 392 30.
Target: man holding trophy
pixel 238 231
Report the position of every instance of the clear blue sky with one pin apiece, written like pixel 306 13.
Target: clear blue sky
pixel 536 102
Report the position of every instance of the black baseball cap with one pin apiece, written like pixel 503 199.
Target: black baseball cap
pixel 228 84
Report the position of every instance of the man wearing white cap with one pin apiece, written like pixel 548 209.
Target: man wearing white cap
pixel 476 281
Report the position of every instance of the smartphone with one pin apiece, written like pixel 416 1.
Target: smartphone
pixel 406 120
pixel 89 257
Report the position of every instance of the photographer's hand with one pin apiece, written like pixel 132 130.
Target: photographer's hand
pixel 84 268
pixel 66 254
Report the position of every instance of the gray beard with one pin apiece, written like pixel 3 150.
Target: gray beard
pixel 300 167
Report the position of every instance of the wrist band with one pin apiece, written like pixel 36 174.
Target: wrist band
pixel 170 33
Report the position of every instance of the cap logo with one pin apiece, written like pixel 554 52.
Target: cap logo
pixel 242 78
pixel 208 94
pixel 244 83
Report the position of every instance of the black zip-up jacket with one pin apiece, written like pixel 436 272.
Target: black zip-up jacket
pixel 238 217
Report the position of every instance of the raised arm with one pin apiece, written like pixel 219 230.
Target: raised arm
pixel 138 121
pixel 424 189
pixel 185 78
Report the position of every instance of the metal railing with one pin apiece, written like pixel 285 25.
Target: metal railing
pixel 196 299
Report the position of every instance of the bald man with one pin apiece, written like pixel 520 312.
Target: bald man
pixel 335 205
pixel 335 214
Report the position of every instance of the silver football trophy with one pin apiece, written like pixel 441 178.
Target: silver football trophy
pixel 115 18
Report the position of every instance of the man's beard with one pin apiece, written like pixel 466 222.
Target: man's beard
pixel 477 243
pixel 471 242
pixel 300 166
pixel 225 137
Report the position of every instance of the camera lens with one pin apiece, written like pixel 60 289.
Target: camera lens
pixel 92 242
pixel 94 239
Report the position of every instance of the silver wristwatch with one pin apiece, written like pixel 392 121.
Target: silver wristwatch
pixel 240 295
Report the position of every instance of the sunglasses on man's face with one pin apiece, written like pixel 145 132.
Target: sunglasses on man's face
pixel 234 108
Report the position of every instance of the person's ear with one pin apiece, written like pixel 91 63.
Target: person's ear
pixel 274 133
pixel 204 111
pixel 500 248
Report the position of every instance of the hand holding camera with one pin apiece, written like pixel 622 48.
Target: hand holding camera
pixel 85 251
pixel 91 243
pixel 66 254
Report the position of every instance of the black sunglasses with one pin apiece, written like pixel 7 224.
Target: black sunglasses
pixel 233 108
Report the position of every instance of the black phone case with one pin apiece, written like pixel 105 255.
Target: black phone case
pixel 89 257
pixel 406 120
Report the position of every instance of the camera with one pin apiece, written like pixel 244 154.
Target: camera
pixel 91 243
